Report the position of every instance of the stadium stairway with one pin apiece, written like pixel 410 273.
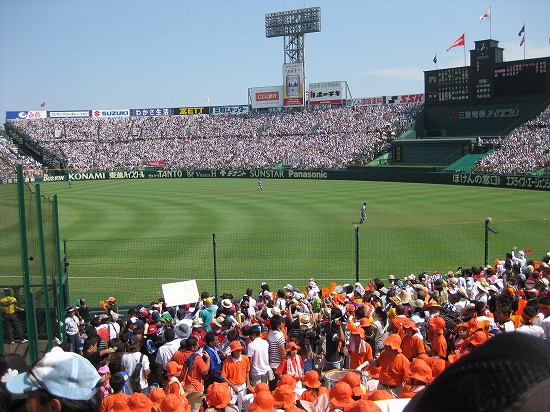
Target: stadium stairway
pixel 466 163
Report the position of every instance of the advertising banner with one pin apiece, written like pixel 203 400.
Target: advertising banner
pixel 182 111
pixel 393 100
pixel 293 85
pixel 25 115
pixel 150 112
pixel 69 114
pixel 326 93
pixel 110 113
pixel 265 97
pixel 235 109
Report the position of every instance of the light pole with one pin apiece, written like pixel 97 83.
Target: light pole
pixel 487 229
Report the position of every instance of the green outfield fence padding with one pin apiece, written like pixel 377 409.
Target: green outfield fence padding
pixel 133 270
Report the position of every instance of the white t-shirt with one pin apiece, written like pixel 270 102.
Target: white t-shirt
pixel 258 352
pixel 129 362
pixel 165 352
pixel 532 330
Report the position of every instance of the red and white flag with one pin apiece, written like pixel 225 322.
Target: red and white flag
pixel 458 42
pixel 486 15
pixel 43 104
pixel 522 41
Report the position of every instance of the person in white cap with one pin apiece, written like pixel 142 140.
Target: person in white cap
pixel 60 381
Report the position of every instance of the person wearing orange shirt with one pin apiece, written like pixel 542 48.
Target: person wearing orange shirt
pixel 292 364
pixel 394 366
pixel 313 386
pixel 358 348
pixel 117 384
pixel 438 343
pixel 420 377
pixel 412 344
pixel 193 370
pixel 397 323
pixel 236 372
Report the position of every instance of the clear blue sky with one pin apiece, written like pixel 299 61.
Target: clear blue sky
pixel 121 54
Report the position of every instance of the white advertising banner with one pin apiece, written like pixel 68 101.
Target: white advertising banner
pixel 293 85
pixel 110 113
pixel 326 93
pixel 397 99
pixel 264 97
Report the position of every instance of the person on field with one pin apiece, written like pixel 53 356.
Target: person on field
pixel 363 213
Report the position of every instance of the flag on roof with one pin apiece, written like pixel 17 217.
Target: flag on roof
pixel 486 15
pixel 458 42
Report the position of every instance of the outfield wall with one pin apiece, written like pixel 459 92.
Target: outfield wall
pixel 429 175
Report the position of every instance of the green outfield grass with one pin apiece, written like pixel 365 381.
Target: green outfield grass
pixel 291 230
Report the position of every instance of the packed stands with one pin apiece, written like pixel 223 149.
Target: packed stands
pixel 9 158
pixel 332 138
pixel 526 149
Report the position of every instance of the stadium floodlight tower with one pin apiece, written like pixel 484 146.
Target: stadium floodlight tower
pixel 292 25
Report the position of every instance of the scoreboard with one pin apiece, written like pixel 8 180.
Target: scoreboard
pixel 488 79
pixel 521 78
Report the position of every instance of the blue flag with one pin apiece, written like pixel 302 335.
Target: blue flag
pixel 522 30
pixel 435 59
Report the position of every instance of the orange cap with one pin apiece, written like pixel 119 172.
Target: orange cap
pixel 139 402
pixel 263 402
pixel 173 368
pixel 235 345
pixel 421 371
pixel 393 341
pixel 287 380
pixel 174 403
pixel 284 396
pixel 311 379
pixel 362 405
pixel 218 395
pixel 340 394
pixel 354 381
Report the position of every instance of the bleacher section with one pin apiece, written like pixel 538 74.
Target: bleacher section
pixel 466 163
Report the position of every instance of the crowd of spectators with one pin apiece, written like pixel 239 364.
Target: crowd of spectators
pixel 524 150
pixel 10 157
pixel 330 138
pixel 387 344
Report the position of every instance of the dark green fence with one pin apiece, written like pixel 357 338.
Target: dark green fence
pixel 30 261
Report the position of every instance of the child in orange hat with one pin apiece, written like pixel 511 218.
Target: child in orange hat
pixel 358 348
pixel 420 377
pixel 313 386
pixel 292 364
pixel 218 398
pixel 172 383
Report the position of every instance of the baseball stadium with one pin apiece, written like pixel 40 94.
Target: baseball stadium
pixel 157 207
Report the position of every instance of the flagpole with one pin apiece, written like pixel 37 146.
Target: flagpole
pixel 524 41
pixel 490 23
pixel 464 49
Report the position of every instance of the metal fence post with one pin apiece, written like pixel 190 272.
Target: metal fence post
pixel 356 253
pixel 60 298
pixel 29 315
pixel 215 250
pixel 43 267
